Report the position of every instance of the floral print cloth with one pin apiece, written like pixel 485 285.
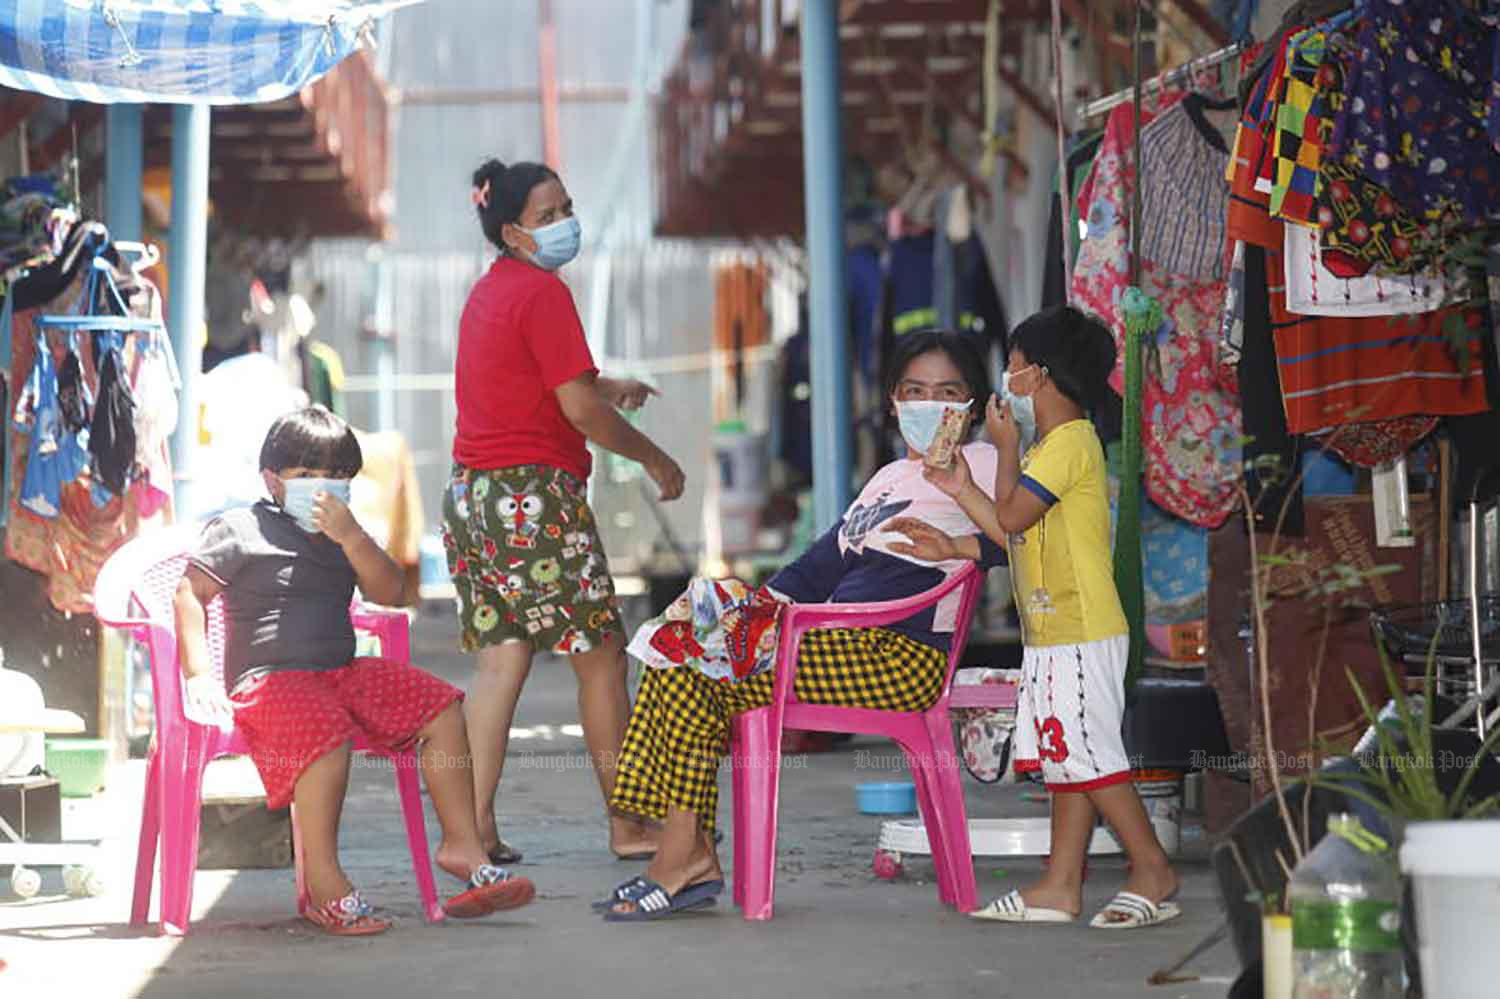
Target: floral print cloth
pixel 1191 424
pixel 1416 121
pixel 722 628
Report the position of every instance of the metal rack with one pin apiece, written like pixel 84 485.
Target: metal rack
pixel 1461 636
pixel 1171 76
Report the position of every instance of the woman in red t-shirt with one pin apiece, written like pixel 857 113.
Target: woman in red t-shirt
pixel 522 546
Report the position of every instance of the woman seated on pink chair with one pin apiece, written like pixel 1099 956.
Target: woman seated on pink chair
pixel 710 656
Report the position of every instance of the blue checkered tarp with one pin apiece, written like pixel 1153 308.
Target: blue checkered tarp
pixel 178 51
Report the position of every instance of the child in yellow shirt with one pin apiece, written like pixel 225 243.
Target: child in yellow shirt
pixel 1051 509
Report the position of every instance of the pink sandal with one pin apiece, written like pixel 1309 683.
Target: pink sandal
pixel 350 916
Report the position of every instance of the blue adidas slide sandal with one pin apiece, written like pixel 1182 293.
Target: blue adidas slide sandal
pixel 652 901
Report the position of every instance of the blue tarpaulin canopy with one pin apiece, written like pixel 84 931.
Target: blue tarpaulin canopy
pixel 178 51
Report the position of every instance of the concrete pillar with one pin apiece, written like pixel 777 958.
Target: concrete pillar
pixel 823 169
pixel 123 171
pixel 188 266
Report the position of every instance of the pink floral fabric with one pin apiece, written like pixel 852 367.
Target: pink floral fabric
pixel 1191 424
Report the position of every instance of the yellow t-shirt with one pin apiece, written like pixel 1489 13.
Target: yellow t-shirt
pixel 1061 567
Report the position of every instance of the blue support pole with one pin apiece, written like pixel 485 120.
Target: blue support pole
pixel 124 167
pixel 187 268
pixel 823 170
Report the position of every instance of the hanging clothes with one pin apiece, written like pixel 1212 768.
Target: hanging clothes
pixel 1080 165
pixel 1362 224
pixel 1191 426
pixel 55 456
pixel 1314 290
pixel 70 547
pixel 1336 370
pixel 1412 123
pixel 112 434
pixel 325 377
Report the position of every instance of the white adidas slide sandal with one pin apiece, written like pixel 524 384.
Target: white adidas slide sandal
pixel 1131 911
pixel 1012 908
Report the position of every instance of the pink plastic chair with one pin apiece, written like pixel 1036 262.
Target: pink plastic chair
pixel 926 737
pixel 134 593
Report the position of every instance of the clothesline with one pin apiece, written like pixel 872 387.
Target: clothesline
pixel 1171 76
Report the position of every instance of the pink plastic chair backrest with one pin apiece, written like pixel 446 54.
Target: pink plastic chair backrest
pixel 135 591
pixel 798 619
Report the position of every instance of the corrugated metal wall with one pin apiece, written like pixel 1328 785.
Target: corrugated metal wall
pixel 656 323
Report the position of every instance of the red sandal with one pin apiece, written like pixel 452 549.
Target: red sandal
pixel 491 889
pixel 350 916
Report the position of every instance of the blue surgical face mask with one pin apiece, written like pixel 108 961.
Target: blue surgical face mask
pixel 556 244
pixel 919 421
pixel 297 502
pixel 1022 408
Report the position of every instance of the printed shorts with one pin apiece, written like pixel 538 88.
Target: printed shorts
pixel 525 557
pixel 1069 709
pixel 293 717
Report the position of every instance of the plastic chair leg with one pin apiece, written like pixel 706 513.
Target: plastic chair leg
pixel 738 791
pixel 761 759
pixel 150 835
pixel 179 862
pixel 948 798
pixel 410 790
pixel 920 765
pixel 297 865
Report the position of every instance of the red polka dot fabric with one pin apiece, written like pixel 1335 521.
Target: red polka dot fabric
pixel 293 717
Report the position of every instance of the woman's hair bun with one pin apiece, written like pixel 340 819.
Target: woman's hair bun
pixel 491 170
pixel 500 192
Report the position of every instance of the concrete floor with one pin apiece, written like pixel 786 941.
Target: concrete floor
pixel 838 930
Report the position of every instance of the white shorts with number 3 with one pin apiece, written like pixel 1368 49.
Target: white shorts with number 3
pixel 1070 707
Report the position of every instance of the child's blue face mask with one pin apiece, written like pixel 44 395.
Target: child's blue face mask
pixel 297 501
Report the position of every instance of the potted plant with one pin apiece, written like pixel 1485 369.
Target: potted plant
pixel 1427 780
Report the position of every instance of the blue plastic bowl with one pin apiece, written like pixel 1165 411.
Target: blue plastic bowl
pixel 887 799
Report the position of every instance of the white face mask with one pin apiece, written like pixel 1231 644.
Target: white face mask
pixel 919 421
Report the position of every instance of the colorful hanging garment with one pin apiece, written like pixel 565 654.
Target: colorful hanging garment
pixel 1415 121
pixel 1191 423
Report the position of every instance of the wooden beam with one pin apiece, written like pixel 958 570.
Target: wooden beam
pixel 18 105
pixel 49 152
pixel 1098 31
pixel 510 95
pixel 931 12
pixel 1204 20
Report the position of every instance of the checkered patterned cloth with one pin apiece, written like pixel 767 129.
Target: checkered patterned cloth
pixel 1297 139
pixel 178 51
pixel 679 728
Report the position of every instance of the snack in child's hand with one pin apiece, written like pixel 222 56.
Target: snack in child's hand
pixel 945 442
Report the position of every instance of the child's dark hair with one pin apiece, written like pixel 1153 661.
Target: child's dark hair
pixel 509 187
pixel 312 438
pixel 1077 350
pixel 966 353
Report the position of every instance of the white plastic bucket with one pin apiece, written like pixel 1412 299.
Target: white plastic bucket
pixel 741 461
pixel 1161 793
pixel 739 523
pixel 1455 869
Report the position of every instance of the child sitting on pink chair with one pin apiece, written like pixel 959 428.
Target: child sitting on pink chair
pixel 287 568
